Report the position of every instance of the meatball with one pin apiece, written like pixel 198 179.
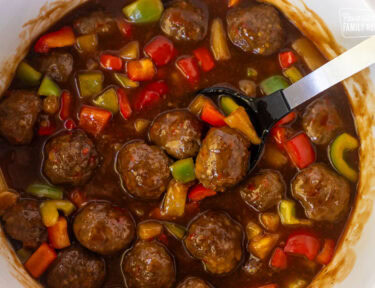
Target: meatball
pixel 185 20
pixel 97 22
pixel 148 265
pixel 23 222
pixel 76 267
pixel 58 65
pixel 144 170
pixel 256 29
pixel 18 114
pixel 103 228
pixel 323 194
pixel 223 159
pixel 70 158
pixel 264 190
pixel 215 239
pixel 193 282
pixel 179 132
pixel 321 121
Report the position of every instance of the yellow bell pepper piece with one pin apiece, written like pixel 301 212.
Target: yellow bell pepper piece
pixel 50 210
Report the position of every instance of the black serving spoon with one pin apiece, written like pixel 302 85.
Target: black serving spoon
pixel 265 112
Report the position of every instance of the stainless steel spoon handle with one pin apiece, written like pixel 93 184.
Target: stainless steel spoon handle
pixel 342 67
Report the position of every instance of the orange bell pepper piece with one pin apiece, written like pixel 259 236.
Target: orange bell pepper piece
pixel 61 38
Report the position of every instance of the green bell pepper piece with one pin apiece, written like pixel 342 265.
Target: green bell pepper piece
pixel 287 213
pixel 228 105
pixel 144 11
pixel 273 84
pixel 343 143
pixel 177 231
pixel 183 170
pixel 45 191
pixel 28 75
pixel 124 81
pixel 108 100
pixel 48 87
pixel 90 83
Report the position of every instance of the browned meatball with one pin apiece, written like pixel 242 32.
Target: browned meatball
pixel 23 222
pixel 185 20
pixel 193 282
pixel 179 132
pixel 223 159
pixel 103 228
pixel 58 65
pixel 70 158
pixel 321 121
pixel 144 170
pixel 323 194
pixel 18 114
pixel 148 265
pixel 76 267
pixel 216 239
pixel 97 22
pixel 264 190
pixel 256 29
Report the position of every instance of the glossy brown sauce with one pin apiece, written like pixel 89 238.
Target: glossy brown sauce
pixel 22 164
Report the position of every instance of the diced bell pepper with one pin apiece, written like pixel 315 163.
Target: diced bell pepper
pixel 228 105
pixel 49 210
pixel 87 44
pixel 161 50
pixel 279 259
pixel 125 108
pixel 239 120
pixel 150 95
pixel 287 59
pixel 205 59
pixel 287 213
pixel 342 144
pixel 196 106
pixel 326 254
pixel 93 120
pixel 130 51
pixel 189 68
pixel 273 84
pixel 28 75
pixel 176 230
pixel 61 38
pixel 124 81
pixel 48 87
pixel 211 115
pixel 66 105
pixel 111 62
pixel 304 244
pixel 199 192
pixel 183 170
pixel 300 150
pixel 108 100
pixel 124 27
pixel 144 11
pixel 90 83
pixel 45 191
pixel 141 125
pixel 293 74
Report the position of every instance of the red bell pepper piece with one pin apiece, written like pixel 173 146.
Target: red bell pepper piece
pixel 111 62
pixel 326 254
pixel 205 59
pixel 93 120
pixel 70 124
pixel 279 134
pixel 125 108
pixel 269 286
pixel 287 119
pixel 38 263
pixel 58 234
pixel 279 259
pixel 212 116
pixel 61 38
pixel 141 70
pixel 66 104
pixel 287 59
pixel 47 127
pixel 300 150
pixel 161 50
pixel 150 95
pixel 199 192
pixel 124 27
pixel 189 68
pixel 303 243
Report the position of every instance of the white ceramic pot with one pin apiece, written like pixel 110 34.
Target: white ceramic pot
pixel 21 21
